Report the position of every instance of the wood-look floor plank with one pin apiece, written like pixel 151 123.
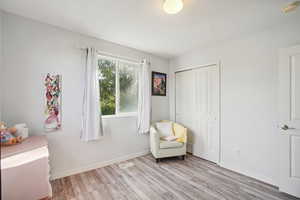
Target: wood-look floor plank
pixel 160 182
pixel 194 191
pixel 132 183
pixel 212 184
pixel 171 179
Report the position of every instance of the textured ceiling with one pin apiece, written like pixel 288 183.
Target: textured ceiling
pixel 143 25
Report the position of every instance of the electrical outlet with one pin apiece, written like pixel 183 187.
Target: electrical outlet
pixel 238 152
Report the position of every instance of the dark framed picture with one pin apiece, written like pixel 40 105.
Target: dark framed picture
pixel 159 84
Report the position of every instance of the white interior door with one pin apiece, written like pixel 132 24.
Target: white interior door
pixel 197 108
pixel 289 111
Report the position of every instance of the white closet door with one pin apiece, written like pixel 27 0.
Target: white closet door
pixel 206 137
pixel 185 100
pixel 197 108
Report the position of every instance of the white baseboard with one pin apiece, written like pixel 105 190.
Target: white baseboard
pixel 96 165
pixel 134 155
pixel 250 174
pixel 245 172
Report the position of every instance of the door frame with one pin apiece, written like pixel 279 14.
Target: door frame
pixel 182 69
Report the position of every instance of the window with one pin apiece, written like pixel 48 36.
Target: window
pixel 118 86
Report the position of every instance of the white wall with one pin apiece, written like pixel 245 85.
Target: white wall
pixel 33 49
pixel 248 97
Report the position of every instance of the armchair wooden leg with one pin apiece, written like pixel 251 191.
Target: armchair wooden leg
pixel 183 157
pixel 157 160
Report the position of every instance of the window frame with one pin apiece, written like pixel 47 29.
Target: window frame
pixel 118 114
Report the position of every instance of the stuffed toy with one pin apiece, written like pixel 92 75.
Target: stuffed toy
pixel 8 136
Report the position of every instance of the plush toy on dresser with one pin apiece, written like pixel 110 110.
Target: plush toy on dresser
pixel 13 135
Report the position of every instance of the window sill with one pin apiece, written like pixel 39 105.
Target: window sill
pixel 119 115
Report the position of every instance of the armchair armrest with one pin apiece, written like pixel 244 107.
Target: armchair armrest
pixel 180 131
pixel 185 135
pixel 154 140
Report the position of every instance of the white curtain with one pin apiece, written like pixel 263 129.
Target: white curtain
pixel 144 99
pixel 92 128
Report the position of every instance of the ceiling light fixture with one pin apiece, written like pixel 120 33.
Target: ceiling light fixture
pixel 291 6
pixel 173 6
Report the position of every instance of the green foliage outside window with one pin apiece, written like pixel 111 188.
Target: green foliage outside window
pixel 127 87
pixel 107 82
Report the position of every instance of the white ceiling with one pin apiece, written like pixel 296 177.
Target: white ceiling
pixel 143 25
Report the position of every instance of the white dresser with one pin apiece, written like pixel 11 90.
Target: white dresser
pixel 25 170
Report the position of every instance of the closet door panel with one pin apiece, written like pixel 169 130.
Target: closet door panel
pixel 213 114
pixel 206 141
pixel 201 139
pixel 185 101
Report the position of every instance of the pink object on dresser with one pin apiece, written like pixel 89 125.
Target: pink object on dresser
pixel 25 170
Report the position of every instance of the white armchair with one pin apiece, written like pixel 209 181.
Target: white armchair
pixel 162 149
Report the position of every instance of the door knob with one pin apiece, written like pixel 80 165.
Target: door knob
pixel 286 127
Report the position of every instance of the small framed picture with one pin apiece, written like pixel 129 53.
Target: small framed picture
pixel 159 84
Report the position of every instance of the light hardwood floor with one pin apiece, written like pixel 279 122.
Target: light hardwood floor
pixel 193 178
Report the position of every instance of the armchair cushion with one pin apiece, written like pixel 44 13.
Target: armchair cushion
pixel 180 132
pixel 169 144
pixel 164 129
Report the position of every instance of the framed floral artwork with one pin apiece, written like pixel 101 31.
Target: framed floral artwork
pixel 159 84
pixel 52 102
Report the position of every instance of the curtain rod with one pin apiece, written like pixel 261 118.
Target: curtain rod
pixel 102 53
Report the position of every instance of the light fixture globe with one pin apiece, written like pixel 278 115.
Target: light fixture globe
pixel 173 6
